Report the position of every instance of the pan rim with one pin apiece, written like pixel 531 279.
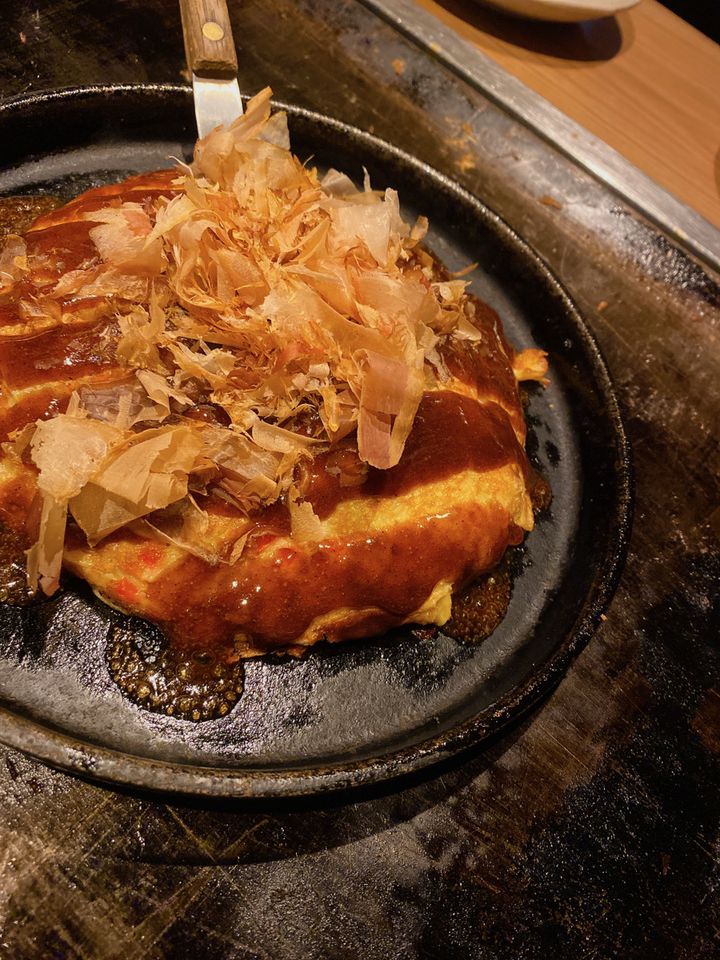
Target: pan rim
pixel 83 757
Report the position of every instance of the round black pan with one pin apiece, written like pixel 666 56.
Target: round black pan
pixel 365 711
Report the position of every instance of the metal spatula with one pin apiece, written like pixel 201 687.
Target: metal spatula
pixel 211 58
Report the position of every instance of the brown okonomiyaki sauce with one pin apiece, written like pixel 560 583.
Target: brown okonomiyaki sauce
pixel 157 675
pixel 18 213
pixel 185 663
pixel 13 577
pixel 481 608
pixel 19 516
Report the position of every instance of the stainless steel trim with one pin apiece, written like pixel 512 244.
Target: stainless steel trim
pixel 217 103
pixel 679 220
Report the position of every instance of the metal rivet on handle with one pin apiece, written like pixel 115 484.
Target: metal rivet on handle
pixel 212 30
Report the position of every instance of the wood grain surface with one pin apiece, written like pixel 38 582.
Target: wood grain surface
pixel 209 44
pixel 589 830
pixel 645 82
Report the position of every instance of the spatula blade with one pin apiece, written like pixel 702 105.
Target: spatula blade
pixel 217 103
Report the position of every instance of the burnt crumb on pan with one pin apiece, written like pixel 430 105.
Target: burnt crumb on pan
pixel 540 491
pixel 190 684
pixel 479 610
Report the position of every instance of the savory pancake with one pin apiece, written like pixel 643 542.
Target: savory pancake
pixel 242 401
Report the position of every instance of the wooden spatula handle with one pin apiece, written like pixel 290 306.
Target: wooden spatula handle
pixel 209 45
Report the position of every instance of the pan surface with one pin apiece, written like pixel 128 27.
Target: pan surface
pixel 364 711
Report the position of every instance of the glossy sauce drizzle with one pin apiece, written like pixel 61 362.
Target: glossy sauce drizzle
pixel 164 678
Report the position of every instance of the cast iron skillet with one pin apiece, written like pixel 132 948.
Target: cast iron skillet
pixel 365 711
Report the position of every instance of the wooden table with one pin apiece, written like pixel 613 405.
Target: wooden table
pixel 645 82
